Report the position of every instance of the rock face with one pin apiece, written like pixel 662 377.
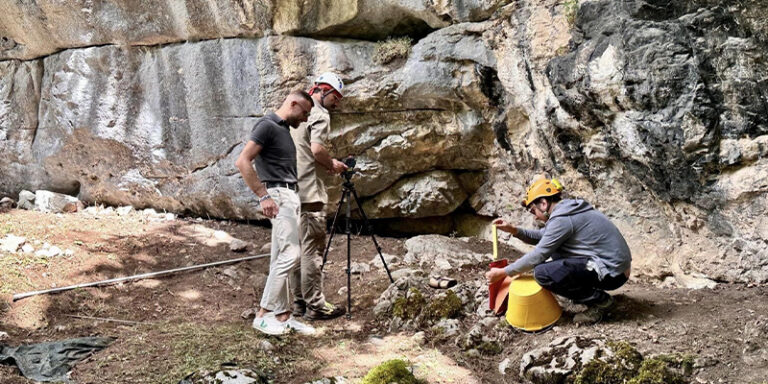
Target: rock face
pixel 653 111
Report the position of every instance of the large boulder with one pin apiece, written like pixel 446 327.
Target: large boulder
pixel 443 254
pixel 436 193
pixel 52 202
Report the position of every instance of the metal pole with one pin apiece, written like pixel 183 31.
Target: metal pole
pixel 20 296
pixel 349 258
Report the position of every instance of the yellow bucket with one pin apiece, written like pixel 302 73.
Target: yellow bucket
pixel 530 307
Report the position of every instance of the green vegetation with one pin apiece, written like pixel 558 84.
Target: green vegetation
pixel 489 348
pixel 444 306
pixel 181 349
pixel 415 306
pixel 627 366
pixel 12 276
pixel 619 368
pixel 410 306
pixel 388 50
pixel 392 371
pixel 571 8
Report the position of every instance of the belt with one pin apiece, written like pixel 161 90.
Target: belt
pixel 312 207
pixel 280 184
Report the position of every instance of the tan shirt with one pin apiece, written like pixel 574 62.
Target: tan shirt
pixel 315 130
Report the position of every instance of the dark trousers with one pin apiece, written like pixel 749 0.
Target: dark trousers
pixel 570 278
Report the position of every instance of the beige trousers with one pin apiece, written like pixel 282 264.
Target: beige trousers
pixel 307 281
pixel 285 251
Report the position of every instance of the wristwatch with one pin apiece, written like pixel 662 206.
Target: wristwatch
pixel 265 197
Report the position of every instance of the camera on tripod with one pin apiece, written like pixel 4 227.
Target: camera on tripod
pixel 348 194
pixel 350 162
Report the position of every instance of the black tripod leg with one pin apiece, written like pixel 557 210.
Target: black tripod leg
pixel 349 259
pixel 370 230
pixel 333 230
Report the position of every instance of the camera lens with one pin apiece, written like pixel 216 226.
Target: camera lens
pixel 350 162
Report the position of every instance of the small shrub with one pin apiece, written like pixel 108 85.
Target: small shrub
pixel 392 371
pixel 388 50
pixel 571 8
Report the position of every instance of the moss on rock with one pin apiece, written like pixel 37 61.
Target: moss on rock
pixel 410 306
pixel 444 306
pixel 392 371
pixel 627 365
pixel 616 369
pixel 664 369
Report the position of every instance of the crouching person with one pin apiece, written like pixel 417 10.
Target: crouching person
pixel 587 254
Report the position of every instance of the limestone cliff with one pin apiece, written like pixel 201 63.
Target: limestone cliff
pixel 654 111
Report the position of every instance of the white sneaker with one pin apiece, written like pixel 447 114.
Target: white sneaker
pixel 299 327
pixel 270 325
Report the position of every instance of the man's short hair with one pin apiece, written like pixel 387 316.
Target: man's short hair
pixel 302 94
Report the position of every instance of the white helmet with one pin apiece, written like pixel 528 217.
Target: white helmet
pixel 331 79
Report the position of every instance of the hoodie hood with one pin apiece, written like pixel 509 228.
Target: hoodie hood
pixel 570 207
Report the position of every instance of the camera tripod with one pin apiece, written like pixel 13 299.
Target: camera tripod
pixel 346 197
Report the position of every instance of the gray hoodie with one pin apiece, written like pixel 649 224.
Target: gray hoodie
pixel 575 229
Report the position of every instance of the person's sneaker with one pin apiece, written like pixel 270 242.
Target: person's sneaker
pixel 594 313
pixel 270 325
pixel 327 312
pixel 299 308
pixel 299 327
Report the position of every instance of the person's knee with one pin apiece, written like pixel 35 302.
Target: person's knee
pixel 542 276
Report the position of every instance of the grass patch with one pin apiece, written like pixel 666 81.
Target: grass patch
pixel 571 8
pixel 388 50
pixel 164 353
pixel 12 276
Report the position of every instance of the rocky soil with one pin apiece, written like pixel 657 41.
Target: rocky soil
pixel 170 327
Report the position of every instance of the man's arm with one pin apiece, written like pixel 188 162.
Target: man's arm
pixel 557 232
pixel 244 164
pixel 324 158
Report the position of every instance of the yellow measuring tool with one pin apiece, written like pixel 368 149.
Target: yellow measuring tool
pixel 495 243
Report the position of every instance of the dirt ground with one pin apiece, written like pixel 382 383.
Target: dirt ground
pixel 168 327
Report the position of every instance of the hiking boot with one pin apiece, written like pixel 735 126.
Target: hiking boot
pixel 594 313
pixel 270 325
pixel 299 308
pixel 299 327
pixel 327 312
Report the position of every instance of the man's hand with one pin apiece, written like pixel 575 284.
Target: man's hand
pixel 269 208
pixel 504 226
pixel 337 167
pixel 494 275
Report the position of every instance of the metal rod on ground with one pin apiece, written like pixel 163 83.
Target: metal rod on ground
pixel 24 295
pixel 105 319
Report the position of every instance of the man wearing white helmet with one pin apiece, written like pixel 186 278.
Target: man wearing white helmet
pixel 311 141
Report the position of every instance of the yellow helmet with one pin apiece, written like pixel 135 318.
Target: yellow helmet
pixel 542 188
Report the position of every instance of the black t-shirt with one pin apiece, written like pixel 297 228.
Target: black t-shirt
pixel 277 160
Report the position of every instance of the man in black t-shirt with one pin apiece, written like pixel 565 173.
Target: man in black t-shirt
pixel 270 148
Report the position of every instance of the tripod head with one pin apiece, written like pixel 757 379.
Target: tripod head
pixel 350 162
